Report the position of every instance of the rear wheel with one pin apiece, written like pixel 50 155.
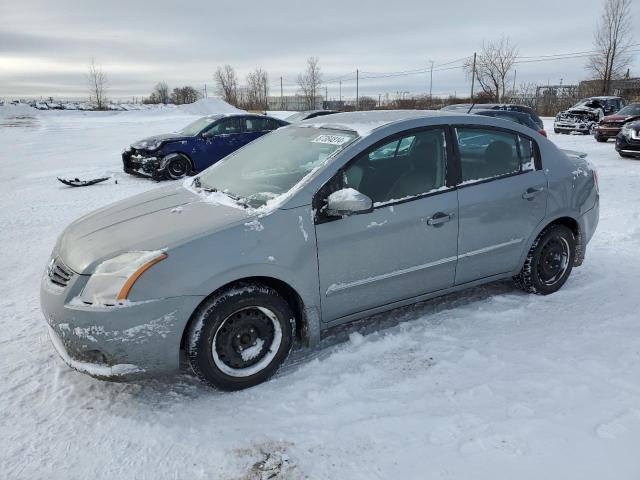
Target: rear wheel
pixel 178 167
pixel 549 261
pixel 241 336
pixel 600 138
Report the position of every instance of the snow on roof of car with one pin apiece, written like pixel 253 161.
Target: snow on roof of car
pixel 365 122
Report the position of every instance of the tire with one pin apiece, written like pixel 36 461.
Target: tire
pixel 240 337
pixel 601 139
pixel 179 167
pixel 556 131
pixel 549 261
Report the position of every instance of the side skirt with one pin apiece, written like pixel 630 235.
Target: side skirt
pixel 409 301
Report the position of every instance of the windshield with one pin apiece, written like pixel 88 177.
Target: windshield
pixel 273 164
pixel 196 127
pixel 630 110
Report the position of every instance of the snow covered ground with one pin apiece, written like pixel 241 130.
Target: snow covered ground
pixel 490 383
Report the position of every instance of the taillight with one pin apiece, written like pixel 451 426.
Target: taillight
pixel 542 132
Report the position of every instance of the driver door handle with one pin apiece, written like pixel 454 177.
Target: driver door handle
pixel 532 192
pixel 439 218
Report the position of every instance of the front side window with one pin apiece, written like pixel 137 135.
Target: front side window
pixel 226 126
pixel 271 165
pixel 198 126
pixel 486 154
pixel 405 167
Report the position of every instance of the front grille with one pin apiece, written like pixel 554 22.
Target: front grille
pixel 59 273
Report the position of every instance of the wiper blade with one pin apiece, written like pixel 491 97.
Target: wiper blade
pixel 198 184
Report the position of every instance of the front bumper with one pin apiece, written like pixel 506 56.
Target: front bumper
pixel 122 342
pixel 628 146
pixel 141 165
pixel 570 127
pixel 608 132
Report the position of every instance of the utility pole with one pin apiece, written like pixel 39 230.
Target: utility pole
pixel 266 98
pixel 281 96
pixel 473 75
pixel 431 81
pixel 326 94
pixel 379 100
pixel 357 89
pixel 515 75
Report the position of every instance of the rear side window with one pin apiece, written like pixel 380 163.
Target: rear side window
pixel 257 124
pixel 486 154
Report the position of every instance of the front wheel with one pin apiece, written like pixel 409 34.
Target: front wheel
pixel 600 138
pixel 549 261
pixel 240 337
pixel 178 167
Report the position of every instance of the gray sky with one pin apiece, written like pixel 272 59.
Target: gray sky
pixel 46 45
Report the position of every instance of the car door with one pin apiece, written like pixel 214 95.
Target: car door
pixel 407 245
pixel 502 198
pixel 255 127
pixel 224 137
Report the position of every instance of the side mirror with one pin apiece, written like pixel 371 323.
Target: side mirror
pixel 348 201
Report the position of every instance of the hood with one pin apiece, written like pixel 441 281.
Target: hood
pixel 615 118
pixel 162 218
pixel 163 138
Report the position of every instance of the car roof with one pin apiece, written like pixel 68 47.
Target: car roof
pixel 365 122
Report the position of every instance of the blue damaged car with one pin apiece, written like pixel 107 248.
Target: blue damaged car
pixel 197 146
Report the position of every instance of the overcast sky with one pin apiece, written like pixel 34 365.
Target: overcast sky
pixel 46 45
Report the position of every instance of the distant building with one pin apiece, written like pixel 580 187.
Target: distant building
pixel 293 102
pixel 628 88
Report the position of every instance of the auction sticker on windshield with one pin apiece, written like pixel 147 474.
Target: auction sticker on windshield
pixel 331 139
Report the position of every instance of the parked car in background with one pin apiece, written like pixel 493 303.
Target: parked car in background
pixel 197 146
pixel 628 140
pixel 585 115
pixel 610 126
pixel 513 116
pixel 314 225
pixel 300 116
pixel 508 107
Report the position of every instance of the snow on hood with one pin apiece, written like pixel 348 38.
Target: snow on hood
pixel 164 137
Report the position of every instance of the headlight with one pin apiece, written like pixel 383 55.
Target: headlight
pixel 113 279
pixel 153 146
pixel 626 131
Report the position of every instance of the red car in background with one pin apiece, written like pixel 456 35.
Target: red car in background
pixel 610 126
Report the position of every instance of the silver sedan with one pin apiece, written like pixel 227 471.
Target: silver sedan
pixel 311 226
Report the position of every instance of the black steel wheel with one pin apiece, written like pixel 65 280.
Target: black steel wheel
pixel 178 167
pixel 240 336
pixel 549 262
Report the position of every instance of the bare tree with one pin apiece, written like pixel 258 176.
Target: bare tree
pixel 612 42
pixel 97 84
pixel 227 84
pixel 493 67
pixel 257 90
pixel 186 94
pixel 310 82
pixel 160 93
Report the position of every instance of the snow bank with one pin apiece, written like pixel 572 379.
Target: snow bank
pixel 208 106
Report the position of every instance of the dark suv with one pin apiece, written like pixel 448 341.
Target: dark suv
pixel 197 146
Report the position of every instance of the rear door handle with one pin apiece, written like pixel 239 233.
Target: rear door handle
pixel 439 218
pixel 532 192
